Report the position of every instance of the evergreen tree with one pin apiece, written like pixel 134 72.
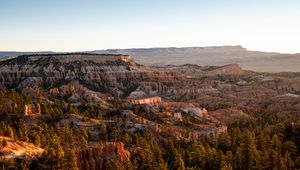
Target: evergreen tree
pixel 37 140
pixel 250 155
pixel 54 153
pixel 112 165
pixel 103 133
pixel 70 160
pixel 288 163
pixel 174 159
pixel 10 132
pixel 276 152
pixel 161 164
pixel 1 130
pixel 3 143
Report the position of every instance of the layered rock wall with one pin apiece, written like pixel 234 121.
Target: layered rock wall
pixel 95 156
pixel 115 75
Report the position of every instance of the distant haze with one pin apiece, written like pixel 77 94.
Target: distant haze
pixel 214 55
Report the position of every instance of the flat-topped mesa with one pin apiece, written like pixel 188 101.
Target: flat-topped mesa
pixel 70 57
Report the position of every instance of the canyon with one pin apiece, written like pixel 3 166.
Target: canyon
pixel 185 102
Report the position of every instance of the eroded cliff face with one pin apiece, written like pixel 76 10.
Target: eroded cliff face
pixel 94 82
pixel 95 156
pixel 116 77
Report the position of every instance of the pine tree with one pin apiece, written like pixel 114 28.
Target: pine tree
pixel 10 132
pixel 250 159
pixel 238 158
pixel 276 152
pixel 264 145
pixel 54 152
pixel 70 160
pixel 103 133
pixel 229 160
pixel 100 115
pixel 22 134
pixel 246 156
pixel 161 164
pixel 1 131
pixel 37 140
pixel 288 163
pixel 174 159
pixel 112 165
pixel 2 143
pixel 202 156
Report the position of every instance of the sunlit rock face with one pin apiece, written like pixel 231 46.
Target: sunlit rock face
pixel 111 74
pixel 32 109
pixel 18 150
pixel 95 156
pixel 149 100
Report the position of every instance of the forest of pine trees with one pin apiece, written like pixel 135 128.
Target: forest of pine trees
pixel 268 142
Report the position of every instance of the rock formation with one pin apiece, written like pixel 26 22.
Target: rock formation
pixel 90 158
pixel 94 157
pixel 115 150
pixel 109 74
pixel 18 149
pixel 177 116
pixel 32 109
pixel 196 111
pixel 149 100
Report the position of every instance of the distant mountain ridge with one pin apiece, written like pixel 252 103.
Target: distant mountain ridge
pixel 17 53
pixel 212 55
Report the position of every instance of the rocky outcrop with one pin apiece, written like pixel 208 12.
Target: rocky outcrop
pixel 54 91
pixel 90 158
pixel 178 116
pixel 32 109
pixel 231 69
pixel 95 156
pixel 115 150
pixel 149 100
pixel 196 111
pixel 18 149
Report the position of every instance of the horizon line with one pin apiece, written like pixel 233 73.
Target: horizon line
pixel 154 47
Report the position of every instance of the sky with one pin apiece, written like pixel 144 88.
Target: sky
pixel 83 25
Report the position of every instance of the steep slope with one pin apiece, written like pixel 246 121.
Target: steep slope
pixel 17 149
pixel 109 74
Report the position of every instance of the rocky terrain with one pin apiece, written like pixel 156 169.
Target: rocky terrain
pixel 94 156
pixel 203 56
pixel 92 92
pixel 13 149
pixel 215 55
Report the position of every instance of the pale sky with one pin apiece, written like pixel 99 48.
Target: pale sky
pixel 78 25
